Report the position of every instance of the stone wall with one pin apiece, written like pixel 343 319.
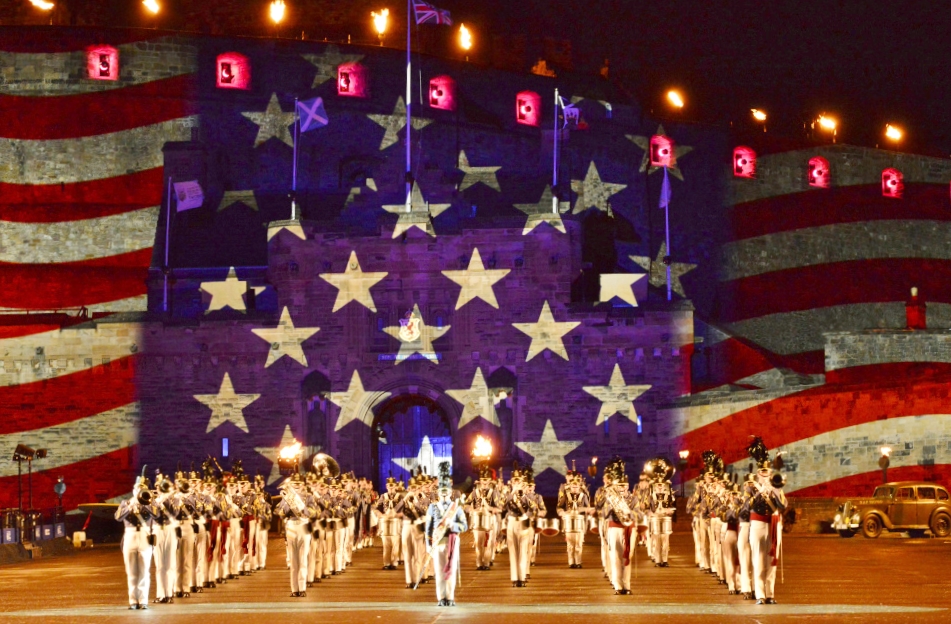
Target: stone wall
pixel 850 349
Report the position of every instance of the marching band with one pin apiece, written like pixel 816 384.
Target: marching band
pixel 202 532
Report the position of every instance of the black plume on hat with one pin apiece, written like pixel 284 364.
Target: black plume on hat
pixel 445 475
pixel 758 451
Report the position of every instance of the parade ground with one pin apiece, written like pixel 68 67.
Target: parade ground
pixel 827 579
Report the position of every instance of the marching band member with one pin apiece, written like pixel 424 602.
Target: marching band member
pixel 661 506
pixel 607 481
pixel 188 533
pixel 573 506
pixel 520 508
pixel 619 514
pixel 297 508
pixel 483 507
pixel 166 538
pixel 766 508
pixel 445 520
pixel 315 555
pixel 743 539
pixel 262 507
pixel 731 530
pixel 137 515
pixel 196 506
pixel 642 494
pixel 414 518
pixel 540 512
pixel 389 523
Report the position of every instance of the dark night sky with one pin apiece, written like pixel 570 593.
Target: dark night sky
pixel 866 62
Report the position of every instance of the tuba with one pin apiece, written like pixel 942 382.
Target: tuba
pixel 324 465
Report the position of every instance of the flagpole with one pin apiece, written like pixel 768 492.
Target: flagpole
pixel 168 222
pixel 667 228
pixel 554 175
pixel 294 174
pixel 409 107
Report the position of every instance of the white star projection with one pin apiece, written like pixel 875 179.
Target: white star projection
pixel 617 397
pixel 227 406
pixel 231 198
pixel 594 192
pixel 227 294
pixel 549 452
pixel 285 339
pixel 477 175
pixel 293 227
pixel 477 281
pixel 353 284
pixel 272 452
pixel 394 123
pixel 620 285
pixel 542 213
pixel 416 336
pixel 658 272
pixel 546 333
pixel 644 143
pixel 350 402
pixel 476 401
pixel 420 214
pixel 273 123
pixel 328 62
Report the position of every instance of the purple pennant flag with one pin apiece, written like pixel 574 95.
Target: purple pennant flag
pixel 312 114
pixel 665 191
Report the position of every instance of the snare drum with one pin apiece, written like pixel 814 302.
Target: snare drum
pixel 389 527
pixel 551 528
pixel 481 522
pixel 593 527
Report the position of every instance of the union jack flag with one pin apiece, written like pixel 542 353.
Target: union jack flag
pixel 429 14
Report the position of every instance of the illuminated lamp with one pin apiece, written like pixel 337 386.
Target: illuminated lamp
pixel 233 71
pixel 528 108
pixel 662 151
pixel 893 184
pixel 353 80
pixel 744 162
pixel 442 93
pixel 102 63
pixel 819 174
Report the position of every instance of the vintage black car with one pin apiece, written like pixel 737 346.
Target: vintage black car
pixel 911 506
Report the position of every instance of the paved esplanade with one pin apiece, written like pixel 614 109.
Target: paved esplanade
pixel 827 579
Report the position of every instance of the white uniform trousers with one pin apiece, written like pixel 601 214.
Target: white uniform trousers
pixel 519 540
pixel 660 529
pixel 351 538
pixel 315 562
pixel 730 559
pixel 224 554
pixel 137 554
pixel 746 557
pixel 298 547
pixel 446 587
pixel 389 535
pixel 483 549
pixel 214 564
pixel 260 546
pixel 412 557
pixel 340 547
pixel 703 537
pixel 330 544
pixel 619 573
pixel 605 555
pixel 764 572
pixel 186 559
pixel 235 551
pixel 166 543
pixel 714 533
pixel 247 556
pixel 575 543
pixel 723 552
pixel 201 554
pixel 694 523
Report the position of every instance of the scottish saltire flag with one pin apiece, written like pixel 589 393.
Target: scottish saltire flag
pixel 428 14
pixel 665 191
pixel 312 114
pixel 188 195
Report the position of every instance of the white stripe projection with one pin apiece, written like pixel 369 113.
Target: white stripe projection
pixel 63 73
pixel 72 241
pixel 90 158
pixel 840 242
pixel 130 304
pixel 78 440
pixel 855 450
pixel 685 419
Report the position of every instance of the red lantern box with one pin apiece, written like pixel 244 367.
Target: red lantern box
pixel 819 174
pixel 893 184
pixel 233 71
pixel 528 108
pixel 102 62
pixel 662 151
pixel 353 80
pixel 744 162
pixel 442 93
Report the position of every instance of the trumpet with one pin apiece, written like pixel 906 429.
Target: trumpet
pixel 144 498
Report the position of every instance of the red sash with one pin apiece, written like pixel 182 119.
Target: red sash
pixel 212 539
pixel 224 538
pixel 627 539
pixel 246 527
pixel 773 521
pixel 450 555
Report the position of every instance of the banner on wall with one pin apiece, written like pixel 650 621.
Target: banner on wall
pixel 188 195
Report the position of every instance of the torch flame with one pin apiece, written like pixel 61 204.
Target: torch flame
pixel 380 20
pixel 827 123
pixel 152 6
pixel 893 132
pixel 886 451
pixel 482 448
pixel 758 115
pixel 675 98
pixel 291 450
pixel 465 37
pixel 277 11
pixel 42 4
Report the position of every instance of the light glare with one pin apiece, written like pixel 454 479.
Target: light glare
pixel 152 6
pixel 675 98
pixel 827 123
pixel 758 115
pixel 380 20
pixel 465 37
pixel 277 11
pixel 893 133
pixel 42 4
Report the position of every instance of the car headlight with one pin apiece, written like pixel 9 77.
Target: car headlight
pixel 838 518
pixel 855 519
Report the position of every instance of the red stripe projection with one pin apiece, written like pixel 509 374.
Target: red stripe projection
pixel 67 398
pixel 733 359
pixel 888 373
pixel 46 203
pixel 844 204
pixel 101 112
pixel 91 481
pixel 878 280
pixel 812 412
pixel 862 485
pixel 74 284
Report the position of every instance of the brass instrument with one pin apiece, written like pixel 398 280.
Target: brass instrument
pixel 621 509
